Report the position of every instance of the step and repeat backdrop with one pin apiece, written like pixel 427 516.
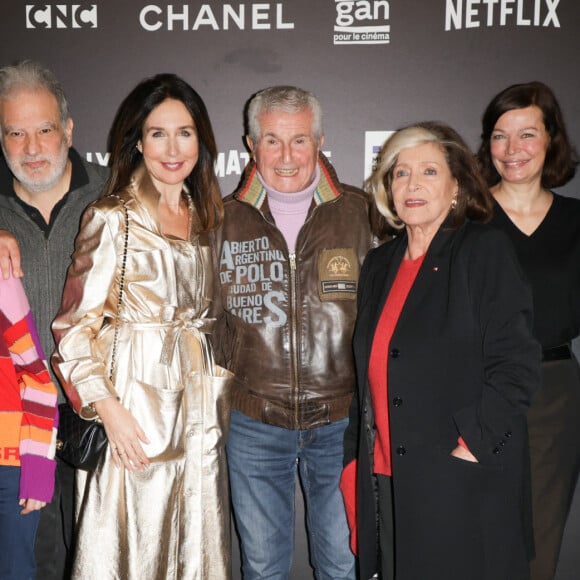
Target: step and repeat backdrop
pixel 375 65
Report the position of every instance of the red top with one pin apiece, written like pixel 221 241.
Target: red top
pixel 378 363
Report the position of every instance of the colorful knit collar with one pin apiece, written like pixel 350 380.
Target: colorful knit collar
pixel 254 193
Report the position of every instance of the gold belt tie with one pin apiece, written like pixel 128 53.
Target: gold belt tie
pixel 188 322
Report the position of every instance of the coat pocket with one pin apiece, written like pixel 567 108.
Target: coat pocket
pixel 160 415
pixel 209 404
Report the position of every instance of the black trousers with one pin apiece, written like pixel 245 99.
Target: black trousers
pixel 386 527
pixel 54 539
pixel 554 429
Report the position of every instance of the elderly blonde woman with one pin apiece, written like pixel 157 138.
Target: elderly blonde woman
pixel 436 447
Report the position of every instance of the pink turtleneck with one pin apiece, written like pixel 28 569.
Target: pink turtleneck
pixel 289 210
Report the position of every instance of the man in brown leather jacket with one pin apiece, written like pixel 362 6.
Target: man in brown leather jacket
pixel 290 249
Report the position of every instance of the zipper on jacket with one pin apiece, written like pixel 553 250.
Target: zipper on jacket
pixel 294 339
pixel 294 324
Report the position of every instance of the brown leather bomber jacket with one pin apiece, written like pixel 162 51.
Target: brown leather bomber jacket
pixel 291 317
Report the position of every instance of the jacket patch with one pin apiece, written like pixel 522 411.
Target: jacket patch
pixel 338 274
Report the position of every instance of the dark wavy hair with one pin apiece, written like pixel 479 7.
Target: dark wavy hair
pixel 127 130
pixel 561 156
pixel 474 200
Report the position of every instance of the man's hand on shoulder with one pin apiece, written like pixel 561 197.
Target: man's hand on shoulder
pixel 9 254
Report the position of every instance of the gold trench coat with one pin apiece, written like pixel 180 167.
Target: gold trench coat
pixel 170 521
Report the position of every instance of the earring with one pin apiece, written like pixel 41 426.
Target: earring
pixel 453 203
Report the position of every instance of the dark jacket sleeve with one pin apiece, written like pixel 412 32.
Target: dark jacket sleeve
pixel 502 305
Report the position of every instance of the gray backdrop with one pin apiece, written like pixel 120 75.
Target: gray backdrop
pixel 375 65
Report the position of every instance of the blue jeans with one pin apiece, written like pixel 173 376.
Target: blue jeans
pixel 263 461
pixel 17 532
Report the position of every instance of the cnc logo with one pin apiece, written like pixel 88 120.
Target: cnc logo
pixel 362 22
pixel 61 16
pixel 261 16
pixel 478 13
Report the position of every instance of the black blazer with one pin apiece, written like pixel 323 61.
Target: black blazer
pixel 462 362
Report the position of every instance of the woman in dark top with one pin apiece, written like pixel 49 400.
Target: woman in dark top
pixel 524 152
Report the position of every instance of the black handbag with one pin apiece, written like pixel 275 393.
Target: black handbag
pixel 81 442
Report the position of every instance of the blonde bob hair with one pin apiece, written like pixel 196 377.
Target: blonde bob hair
pixel 474 200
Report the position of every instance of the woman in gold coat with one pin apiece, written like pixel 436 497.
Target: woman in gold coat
pixel 156 507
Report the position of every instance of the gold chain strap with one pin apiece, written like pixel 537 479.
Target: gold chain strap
pixel 121 289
